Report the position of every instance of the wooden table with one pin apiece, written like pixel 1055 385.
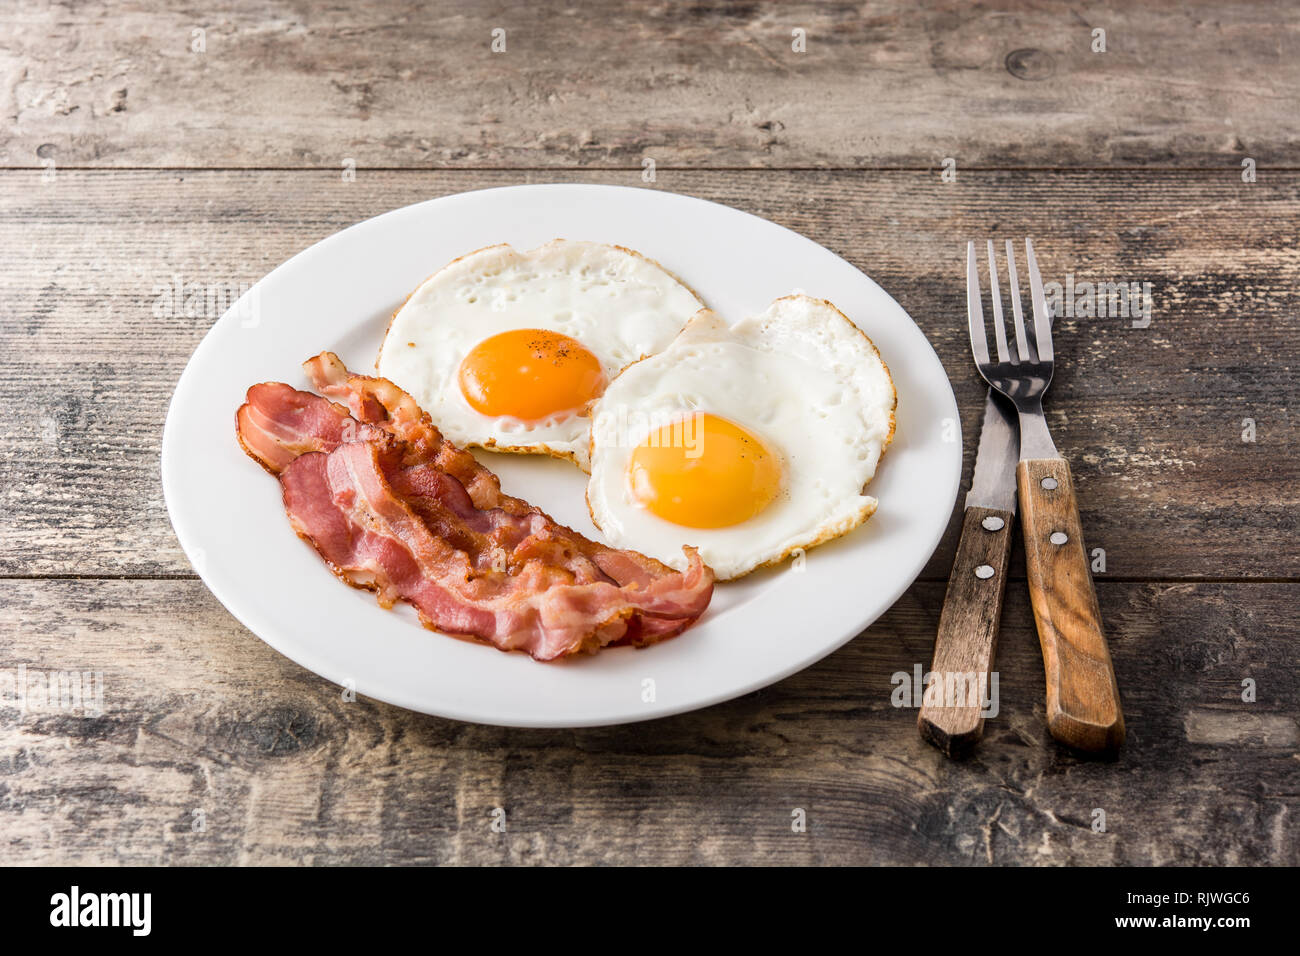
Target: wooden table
pixel 141 148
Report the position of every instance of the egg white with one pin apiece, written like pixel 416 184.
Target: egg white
pixel 800 376
pixel 618 304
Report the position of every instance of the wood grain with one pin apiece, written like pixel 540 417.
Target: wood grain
pixel 1083 704
pixel 608 83
pixel 199 714
pixel 1152 418
pixel 965 647
pixel 129 162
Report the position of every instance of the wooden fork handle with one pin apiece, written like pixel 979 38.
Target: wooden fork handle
pixel 968 633
pixel 1083 709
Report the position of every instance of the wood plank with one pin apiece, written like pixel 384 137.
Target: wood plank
pixel 695 84
pixel 200 715
pixel 1151 418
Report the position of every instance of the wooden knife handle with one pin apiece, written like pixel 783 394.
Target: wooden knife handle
pixel 1083 709
pixel 968 632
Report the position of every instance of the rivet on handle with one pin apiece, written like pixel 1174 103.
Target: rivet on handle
pixel 1049 483
pixel 984 572
pixel 1058 537
pixel 992 523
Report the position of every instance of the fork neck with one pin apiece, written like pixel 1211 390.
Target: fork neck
pixel 1035 439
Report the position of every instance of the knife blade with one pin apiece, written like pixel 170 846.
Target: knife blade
pixel 993 484
pixel 961 686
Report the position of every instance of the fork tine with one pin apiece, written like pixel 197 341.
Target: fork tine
pixel 1022 343
pixel 999 326
pixel 979 342
pixel 1042 319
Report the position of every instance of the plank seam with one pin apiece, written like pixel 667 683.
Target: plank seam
pixel 660 167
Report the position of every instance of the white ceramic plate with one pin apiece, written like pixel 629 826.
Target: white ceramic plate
pixel 339 295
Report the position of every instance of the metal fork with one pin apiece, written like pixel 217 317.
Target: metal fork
pixel 1083 708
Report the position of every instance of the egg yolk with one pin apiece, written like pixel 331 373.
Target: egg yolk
pixel 703 471
pixel 530 374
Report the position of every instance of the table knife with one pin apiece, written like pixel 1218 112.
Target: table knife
pixel 952 711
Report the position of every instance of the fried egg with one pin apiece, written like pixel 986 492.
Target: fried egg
pixel 747 441
pixel 508 350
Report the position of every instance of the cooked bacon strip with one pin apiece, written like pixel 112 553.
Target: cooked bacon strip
pixel 345 505
pixel 507 589
pixel 278 423
pixel 391 506
pixel 378 402
pixel 665 603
